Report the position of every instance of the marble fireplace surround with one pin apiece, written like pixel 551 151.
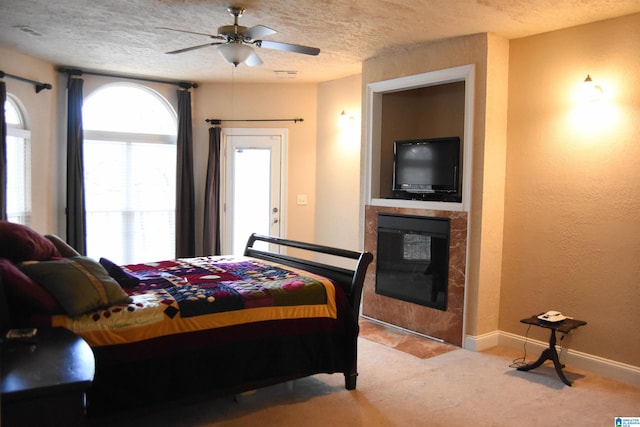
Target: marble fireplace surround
pixel 446 325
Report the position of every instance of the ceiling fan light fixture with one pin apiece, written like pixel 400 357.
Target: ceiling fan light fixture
pixel 235 53
pixel 236 42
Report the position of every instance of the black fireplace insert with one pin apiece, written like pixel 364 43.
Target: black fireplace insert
pixel 412 262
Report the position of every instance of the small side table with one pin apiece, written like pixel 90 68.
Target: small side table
pixel 44 379
pixel 565 326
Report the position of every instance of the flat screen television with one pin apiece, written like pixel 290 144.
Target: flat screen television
pixel 427 169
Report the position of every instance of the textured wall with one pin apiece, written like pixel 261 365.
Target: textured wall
pixel 266 101
pixel 483 269
pixel 430 112
pixel 572 210
pixel 338 164
pixel 40 112
pixel 211 100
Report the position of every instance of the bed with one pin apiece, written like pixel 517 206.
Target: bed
pixel 206 325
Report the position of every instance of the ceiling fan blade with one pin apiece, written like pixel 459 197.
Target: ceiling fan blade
pixel 192 32
pixel 253 60
pixel 187 49
pixel 288 47
pixel 258 31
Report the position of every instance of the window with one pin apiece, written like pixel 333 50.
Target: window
pixel 18 164
pixel 130 174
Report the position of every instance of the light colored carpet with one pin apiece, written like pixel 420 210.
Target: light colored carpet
pixel 456 388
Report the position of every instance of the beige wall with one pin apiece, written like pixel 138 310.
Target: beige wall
pixel 572 211
pixel 225 101
pixel 430 112
pixel 569 198
pixel 554 218
pixel 485 232
pixel 265 101
pixel 40 110
pixel 490 161
pixel 337 165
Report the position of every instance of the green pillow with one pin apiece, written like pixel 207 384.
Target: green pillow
pixel 79 284
pixel 65 249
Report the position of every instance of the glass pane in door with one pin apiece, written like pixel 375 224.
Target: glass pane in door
pixel 251 194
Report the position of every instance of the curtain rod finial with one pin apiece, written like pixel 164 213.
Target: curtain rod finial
pixel 42 86
pixel 187 85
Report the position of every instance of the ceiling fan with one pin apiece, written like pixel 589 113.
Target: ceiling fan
pixel 236 41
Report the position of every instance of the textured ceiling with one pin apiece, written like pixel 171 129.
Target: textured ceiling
pixel 123 36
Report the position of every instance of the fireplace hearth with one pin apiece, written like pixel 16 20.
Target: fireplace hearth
pixel 413 259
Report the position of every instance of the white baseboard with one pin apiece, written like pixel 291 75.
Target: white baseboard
pixel 481 342
pixel 588 362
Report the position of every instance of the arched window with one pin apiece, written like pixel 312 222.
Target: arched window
pixel 130 174
pixel 18 163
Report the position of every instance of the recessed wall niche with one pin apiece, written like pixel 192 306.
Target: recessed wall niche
pixel 428 112
pixel 429 105
pixel 408 104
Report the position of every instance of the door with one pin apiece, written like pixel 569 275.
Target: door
pixel 252 200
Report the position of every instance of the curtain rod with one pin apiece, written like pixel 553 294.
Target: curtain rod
pixel 39 86
pixel 76 72
pixel 219 121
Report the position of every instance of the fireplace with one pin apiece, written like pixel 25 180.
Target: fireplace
pixel 413 259
pixel 445 325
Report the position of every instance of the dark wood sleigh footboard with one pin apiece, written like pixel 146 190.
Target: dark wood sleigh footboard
pixel 350 280
pixel 240 358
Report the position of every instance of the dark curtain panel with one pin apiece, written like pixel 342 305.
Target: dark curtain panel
pixel 185 198
pixel 76 222
pixel 3 153
pixel 211 240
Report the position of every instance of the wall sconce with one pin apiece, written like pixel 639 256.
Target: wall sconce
pixel 345 119
pixel 592 91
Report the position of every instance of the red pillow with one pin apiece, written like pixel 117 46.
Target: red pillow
pixel 20 243
pixel 20 286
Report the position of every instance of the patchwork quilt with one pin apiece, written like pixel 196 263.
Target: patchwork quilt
pixel 194 294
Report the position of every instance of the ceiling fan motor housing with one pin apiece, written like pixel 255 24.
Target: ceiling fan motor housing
pixel 231 32
pixel 236 11
pixel 236 47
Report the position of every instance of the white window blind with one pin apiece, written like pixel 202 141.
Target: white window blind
pixel 130 174
pixel 18 164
